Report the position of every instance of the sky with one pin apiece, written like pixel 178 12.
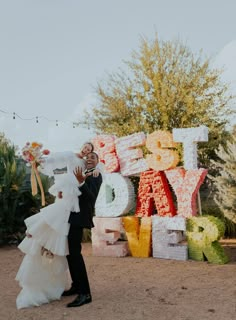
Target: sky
pixel 54 52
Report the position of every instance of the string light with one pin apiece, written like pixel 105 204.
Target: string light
pixel 37 118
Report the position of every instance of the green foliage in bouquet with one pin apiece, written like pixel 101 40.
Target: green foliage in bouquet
pixel 203 234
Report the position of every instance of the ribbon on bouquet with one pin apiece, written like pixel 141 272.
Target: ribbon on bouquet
pixel 35 181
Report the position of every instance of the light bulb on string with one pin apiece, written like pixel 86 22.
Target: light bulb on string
pixel 36 119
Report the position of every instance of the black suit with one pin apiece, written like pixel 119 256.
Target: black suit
pixel 78 221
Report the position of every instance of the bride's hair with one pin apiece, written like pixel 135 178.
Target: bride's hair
pixel 90 143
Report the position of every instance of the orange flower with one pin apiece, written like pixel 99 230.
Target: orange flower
pixel 35 144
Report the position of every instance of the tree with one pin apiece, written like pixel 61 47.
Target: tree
pixel 164 87
pixel 11 179
pixel 225 182
pixel 16 199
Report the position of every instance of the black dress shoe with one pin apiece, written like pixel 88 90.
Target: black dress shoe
pixel 70 292
pixel 80 300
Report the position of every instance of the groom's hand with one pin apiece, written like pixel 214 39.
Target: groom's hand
pixel 79 175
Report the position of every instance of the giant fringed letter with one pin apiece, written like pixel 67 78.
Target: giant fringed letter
pixel 104 145
pixel 167 235
pixel 186 185
pixel 131 158
pixel 116 196
pixel 203 234
pixel 159 143
pixel 139 235
pixel 189 137
pixel 154 188
pixel 105 238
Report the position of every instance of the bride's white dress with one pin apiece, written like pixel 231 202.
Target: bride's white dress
pixel 42 277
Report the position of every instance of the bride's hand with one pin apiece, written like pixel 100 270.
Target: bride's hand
pixel 59 195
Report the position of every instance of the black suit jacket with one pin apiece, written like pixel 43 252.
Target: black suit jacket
pixel 87 199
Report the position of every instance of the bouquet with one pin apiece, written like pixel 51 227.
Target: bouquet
pixel 33 154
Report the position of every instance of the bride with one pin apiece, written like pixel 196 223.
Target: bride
pixel 43 273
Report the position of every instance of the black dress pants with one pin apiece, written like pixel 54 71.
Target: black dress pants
pixel 76 262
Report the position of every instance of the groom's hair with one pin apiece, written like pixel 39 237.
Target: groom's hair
pixel 95 155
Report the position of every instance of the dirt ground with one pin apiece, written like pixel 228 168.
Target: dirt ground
pixel 134 288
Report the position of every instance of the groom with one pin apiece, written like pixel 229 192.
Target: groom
pixel 89 187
